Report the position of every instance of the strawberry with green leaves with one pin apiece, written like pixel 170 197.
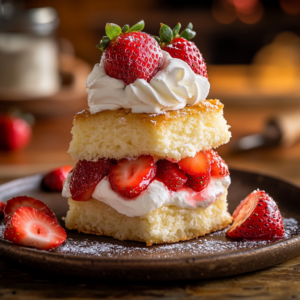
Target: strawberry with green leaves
pixel 178 45
pixel 130 54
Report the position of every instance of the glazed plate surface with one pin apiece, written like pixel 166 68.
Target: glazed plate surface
pixel 210 256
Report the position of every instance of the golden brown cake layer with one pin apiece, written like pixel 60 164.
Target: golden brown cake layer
pixel 167 224
pixel 175 134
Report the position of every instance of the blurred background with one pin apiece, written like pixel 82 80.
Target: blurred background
pixel 251 47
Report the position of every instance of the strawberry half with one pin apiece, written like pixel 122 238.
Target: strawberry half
pixel 198 183
pixel 2 207
pixel 17 202
pixel 257 217
pixel 179 46
pixel 170 174
pixel 54 180
pixel 198 165
pixel 218 166
pixel 85 177
pixel 29 227
pixel 130 54
pixel 130 177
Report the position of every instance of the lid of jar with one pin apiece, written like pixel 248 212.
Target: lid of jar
pixel 40 21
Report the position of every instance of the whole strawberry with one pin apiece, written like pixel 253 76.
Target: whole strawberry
pixel 130 54
pixel 257 217
pixel 180 46
pixel 53 181
pixel 15 133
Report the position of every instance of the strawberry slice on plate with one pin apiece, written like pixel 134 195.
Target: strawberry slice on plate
pixel 32 228
pixel 16 202
pixel 257 217
pixel 130 177
pixel 86 175
pixel 53 181
pixel 170 174
pixel 218 166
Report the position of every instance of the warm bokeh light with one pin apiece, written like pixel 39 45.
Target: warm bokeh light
pixel 251 15
pixel 223 11
pixel 227 11
pixel 290 6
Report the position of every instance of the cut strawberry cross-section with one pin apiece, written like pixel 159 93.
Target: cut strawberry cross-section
pixel 16 202
pixel 130 177
pixel 257 217
pixel 170 174
pixel 197 165
pixel 29 227
pixel 218 166
pixel 86 175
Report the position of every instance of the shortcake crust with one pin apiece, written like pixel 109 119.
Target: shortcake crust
pixel 174 135
pixel 167 224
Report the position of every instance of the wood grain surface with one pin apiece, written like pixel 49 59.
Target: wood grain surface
pixel 48 150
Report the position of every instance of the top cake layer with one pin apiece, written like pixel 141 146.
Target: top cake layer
pixel 174 135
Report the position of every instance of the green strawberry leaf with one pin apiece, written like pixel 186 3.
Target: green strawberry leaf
pixel 190 26
pixel 156 38
pixel 125 28
pixel 137 27
pixel 112 30
pixel 176 30
pixel 188 34
pixel 103 43
pixel 165 33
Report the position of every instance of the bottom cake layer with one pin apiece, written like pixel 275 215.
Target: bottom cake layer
pixel 167 224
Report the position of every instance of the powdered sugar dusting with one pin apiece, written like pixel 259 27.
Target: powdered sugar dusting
pixel 214 243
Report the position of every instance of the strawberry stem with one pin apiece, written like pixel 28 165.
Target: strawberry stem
pixel 112 30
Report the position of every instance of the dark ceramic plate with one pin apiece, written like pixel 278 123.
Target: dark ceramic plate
pixel 208 257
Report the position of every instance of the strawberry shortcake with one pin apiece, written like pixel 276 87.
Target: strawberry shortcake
pixel 146 167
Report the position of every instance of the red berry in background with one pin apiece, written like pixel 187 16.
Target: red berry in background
pixel 2 207
pixel 85 177
pixel 15 133
pixel 170 174
pixel 131 177
pixel 54 180
pixel 130 54
pixel 179 46
pixel 32 228
pixel 257 217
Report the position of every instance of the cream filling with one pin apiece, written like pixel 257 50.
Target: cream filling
pixel 172 88
pixel 155 196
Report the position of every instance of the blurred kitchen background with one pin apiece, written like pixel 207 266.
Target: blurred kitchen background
pixel 251 47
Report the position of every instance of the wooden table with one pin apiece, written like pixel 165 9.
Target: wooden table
pixel 48 150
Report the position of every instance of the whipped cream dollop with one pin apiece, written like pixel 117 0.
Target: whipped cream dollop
pixel 155 196
pixel 172 88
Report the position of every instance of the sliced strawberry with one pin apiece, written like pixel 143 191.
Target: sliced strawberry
pixel 29 227
pixel 86 175
pixel 170 174
pixel 130 177
pixel 16 202
pixel 54 180
pixel 198 183
pixel 258 217
pixel 2 207
pixel 197 165
pixel 218 166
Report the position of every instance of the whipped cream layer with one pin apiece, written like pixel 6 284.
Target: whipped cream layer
pixel 172 88
pixel 155 196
